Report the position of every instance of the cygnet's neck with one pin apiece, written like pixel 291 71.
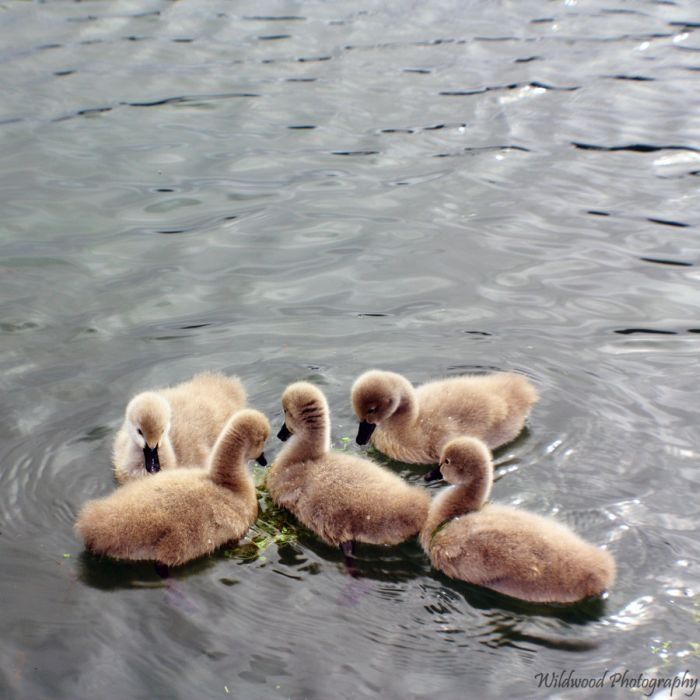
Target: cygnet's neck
pixel 309 444
pixel 228 466
pixel 312 440
pixel 455 501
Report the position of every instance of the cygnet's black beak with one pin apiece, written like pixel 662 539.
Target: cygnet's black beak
pixel 284 433
pixel 260 459
pixel 364 432
pixel 433 475
pixel 151 457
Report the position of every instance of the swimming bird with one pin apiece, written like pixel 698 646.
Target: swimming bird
pixel 342 498
pixel 511 551
pixel 412 425
pixel 181 514
pixel 176 426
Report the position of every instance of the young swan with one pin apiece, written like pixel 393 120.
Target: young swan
pixel 412 425
pixel 175 427
pixel 342 498
pixel 514 552
pixel 181 514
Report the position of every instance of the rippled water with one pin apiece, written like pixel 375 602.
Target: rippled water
pixel 289 190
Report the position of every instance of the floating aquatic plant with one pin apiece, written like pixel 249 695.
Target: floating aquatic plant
pixel 345 443
pixel 274 526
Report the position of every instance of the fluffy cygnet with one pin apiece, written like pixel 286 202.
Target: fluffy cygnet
pixel 512 551
pixel 412 425
pixel 175 427
pixel 342 498
pixel 181 514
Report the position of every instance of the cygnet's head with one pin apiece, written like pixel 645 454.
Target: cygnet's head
pixel 376 396
pixel 305 410
pixel 465 460
pixel 254 428
pixel 148 422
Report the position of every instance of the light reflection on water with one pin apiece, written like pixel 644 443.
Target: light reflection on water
pixel 302 191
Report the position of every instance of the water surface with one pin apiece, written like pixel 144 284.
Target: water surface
pixel 287 191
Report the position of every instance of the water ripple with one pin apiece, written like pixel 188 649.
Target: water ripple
pixel 310 232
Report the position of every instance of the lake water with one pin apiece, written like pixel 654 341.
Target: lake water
pixel 288 190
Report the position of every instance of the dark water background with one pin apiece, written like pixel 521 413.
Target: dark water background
pixel 289 190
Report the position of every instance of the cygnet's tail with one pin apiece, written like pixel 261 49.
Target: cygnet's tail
pixel 522 394
pixel 602 572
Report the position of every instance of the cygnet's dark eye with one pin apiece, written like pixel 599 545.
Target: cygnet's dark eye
pixel 447 461
pixel 138 430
